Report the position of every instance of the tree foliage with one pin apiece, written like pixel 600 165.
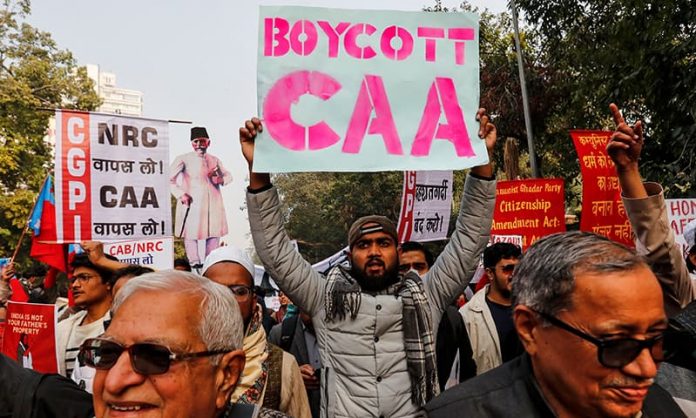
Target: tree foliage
pixel 578 56
pixel 321 206
pixel 640 54
pixel 34 75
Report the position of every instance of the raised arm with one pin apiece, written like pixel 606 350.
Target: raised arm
pixel 646 210
pixel 624 148
pixel 247 137
pixel 293 274
pixel 456 265
pixel 95 252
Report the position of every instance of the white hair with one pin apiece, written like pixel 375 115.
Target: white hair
pixel 544 279
pixel 221 324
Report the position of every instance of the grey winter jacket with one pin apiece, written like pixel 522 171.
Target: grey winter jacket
pixel 365 373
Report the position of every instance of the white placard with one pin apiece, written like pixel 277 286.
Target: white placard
pixel 426 206
pixel 157 253
pixel 112 177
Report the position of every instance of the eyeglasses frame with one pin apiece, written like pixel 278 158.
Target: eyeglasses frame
pixel 601 344
pixel 172 355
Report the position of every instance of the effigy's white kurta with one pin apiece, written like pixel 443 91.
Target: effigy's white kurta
pixel 189 174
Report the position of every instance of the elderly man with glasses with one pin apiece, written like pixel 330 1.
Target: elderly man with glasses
pixel 154 362
pixel 271 377
pixel 590 316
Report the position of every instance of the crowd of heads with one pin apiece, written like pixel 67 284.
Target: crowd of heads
pixel 576 297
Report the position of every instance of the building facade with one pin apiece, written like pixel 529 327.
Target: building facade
pixel 115 99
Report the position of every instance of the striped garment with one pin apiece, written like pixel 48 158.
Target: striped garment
pixel 78 334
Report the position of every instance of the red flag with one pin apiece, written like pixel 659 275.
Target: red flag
pixel 50 279
pixel 43 222
pixel 18 292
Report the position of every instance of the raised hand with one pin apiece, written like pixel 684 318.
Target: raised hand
pixel 624 148
pixel 489 133
pixel 8 272
pixel 247 140
pixel 626 143
pixel 94 250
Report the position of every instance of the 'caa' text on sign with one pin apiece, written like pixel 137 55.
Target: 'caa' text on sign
pixel 352 90
pixel 111 177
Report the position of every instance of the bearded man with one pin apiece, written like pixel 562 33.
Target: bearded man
pixel 375 328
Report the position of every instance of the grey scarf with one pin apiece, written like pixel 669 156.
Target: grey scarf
pixel 342 299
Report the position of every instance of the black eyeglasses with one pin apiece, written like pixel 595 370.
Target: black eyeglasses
pixel 615 353
pixel 241 292
pixel 145 358
pixel 508 268
pixel 82 278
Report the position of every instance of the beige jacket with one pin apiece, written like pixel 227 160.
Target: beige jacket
pixel 483 335
pixel 293 396
pixel 655 241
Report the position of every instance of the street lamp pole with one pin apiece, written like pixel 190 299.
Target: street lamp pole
pixel 525 98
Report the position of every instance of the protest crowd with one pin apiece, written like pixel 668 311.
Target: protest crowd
pixel 577 325
pixel 573 324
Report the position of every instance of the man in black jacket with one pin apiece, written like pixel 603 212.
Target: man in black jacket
pixel 589 313
pixel 25 393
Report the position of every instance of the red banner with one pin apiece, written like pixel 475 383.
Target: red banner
pixel 73 188
pixel 530 208
pixel 29 336
pixel 408 198
pixel 602 209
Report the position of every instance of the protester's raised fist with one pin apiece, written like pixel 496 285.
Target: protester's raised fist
pixel 487 131
pixel 8 272
pixel 247 137
pixel 489 134
pixel 626 142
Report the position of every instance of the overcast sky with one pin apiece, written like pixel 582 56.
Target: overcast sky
pixel 193 61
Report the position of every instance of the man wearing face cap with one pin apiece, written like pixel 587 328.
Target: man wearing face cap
pixel 196 178
pixel 375 328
